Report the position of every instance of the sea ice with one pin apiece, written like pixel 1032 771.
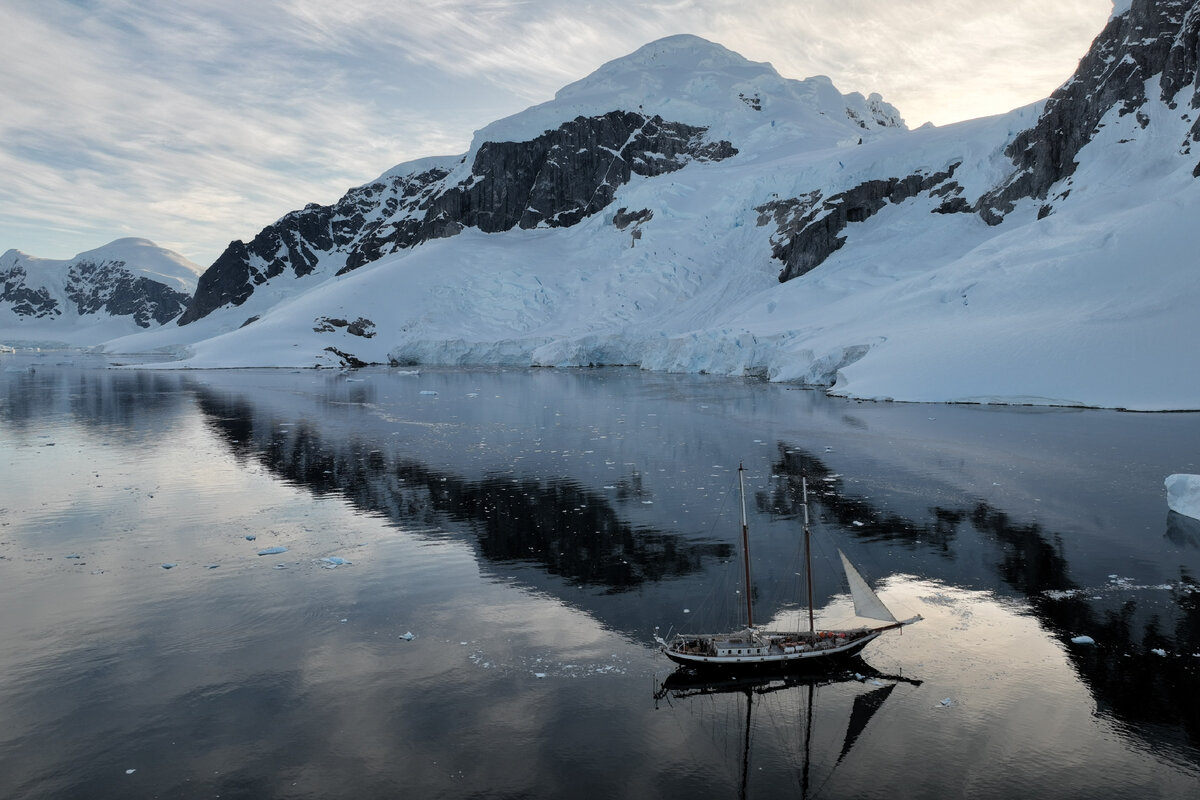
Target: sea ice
pixel 1083 640
pixel 1183 494
pixel 408 637
pixel 270 551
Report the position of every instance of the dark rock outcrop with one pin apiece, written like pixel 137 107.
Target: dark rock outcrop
pixel 553 180
pixel 110 287
pixel 351 227
pixel 809 229
pixel 360 327
pixel 26 301
pixel 1155 37
pixel 566 174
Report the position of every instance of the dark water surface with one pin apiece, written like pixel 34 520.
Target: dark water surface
pixel 514 539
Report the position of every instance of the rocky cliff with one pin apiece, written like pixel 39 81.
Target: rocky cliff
pixel 553 180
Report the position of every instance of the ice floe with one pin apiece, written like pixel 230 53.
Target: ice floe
pixel 1183 494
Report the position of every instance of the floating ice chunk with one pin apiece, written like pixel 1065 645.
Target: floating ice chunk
pixel 1183 494
pixel 250 537
pixel 1158 651
pixel 408 637
pixel 169 565
pixel 73 555
pixel 270 551
pixel 1083 640
pixel 211 566
pixel 130 771
pixel 687 611
pixel 429 392
pixel 857 524
pixel 281 566
pixel 947 702
pixel 539 674
pixel 335 561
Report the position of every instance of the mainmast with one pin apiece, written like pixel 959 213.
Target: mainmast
pixel 745 546
pixel 807 555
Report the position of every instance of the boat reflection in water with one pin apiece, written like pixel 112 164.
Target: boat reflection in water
pixel 793 701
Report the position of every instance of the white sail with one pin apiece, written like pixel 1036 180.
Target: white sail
pixel 866 602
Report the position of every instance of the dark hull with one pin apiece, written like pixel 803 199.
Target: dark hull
pixel 812 659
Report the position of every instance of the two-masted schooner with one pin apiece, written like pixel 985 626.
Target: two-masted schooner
pixel 753 646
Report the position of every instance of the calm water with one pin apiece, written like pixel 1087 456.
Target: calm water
pixel 514 539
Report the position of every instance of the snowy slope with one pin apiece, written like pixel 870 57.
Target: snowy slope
pixel 928 265
pixel 124 286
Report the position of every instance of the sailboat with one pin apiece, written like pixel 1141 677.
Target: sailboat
pixel 753 646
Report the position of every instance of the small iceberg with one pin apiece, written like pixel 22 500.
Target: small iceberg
pixel 1083 640
pixel 169 566
pixel 408 637
pixel 1183 494
pixel 250 537
pixel 335 561
pixel 271 551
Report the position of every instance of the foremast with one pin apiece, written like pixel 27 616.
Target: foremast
pixel 746 546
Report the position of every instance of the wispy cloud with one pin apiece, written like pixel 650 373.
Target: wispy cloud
pixel 198 121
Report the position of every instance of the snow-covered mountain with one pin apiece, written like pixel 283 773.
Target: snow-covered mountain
pixel 124 286
pixel 685 209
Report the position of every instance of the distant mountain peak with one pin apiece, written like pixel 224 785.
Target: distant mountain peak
pixel 127 284
pixel 689 79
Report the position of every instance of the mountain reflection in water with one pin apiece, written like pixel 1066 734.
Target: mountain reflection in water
pixel 532 528
pixel 568 530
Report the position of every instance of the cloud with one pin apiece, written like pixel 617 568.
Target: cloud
pixel 192 123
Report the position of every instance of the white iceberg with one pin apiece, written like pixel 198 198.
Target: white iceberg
pixel 270 551
pixel 1083 640
pixel 1183 494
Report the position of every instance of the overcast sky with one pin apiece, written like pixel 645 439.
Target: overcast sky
pixel 195 122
